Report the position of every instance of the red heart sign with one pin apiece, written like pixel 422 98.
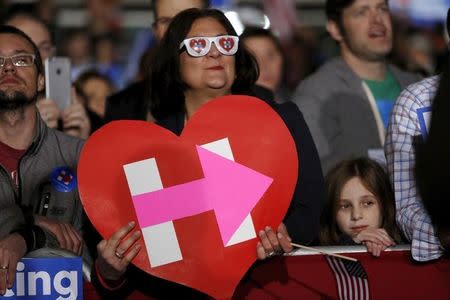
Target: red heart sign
pixel 260 143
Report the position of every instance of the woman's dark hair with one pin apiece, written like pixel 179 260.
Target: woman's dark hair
pixel 5 29
pixel 167 88
pixel 374 178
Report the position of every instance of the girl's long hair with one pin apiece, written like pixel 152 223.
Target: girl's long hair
pixel 375 179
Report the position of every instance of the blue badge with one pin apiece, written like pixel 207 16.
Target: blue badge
pixel 63 179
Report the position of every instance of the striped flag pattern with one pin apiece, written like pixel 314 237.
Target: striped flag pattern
pixel 351 279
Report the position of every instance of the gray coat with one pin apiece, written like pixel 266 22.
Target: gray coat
pixel 49 150
pixel 341 111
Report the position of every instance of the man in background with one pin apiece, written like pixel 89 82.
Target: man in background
pixel 75 120
pixel 347 102
pixel 406 136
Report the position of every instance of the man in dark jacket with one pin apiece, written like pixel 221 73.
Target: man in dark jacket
pixel 39 202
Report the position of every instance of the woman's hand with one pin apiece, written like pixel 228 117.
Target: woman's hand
pixel 376 240
pixel 75 119
pixel 116 253
pixel 49 112
pixel 273 244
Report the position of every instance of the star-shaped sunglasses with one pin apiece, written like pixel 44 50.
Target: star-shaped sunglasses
pixel 200 45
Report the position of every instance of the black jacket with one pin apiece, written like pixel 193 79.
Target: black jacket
pixel 128 104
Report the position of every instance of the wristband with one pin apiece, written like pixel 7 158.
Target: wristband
pixel 111 285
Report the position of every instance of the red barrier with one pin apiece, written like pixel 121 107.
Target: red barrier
pixel 392 276
pixel 89 293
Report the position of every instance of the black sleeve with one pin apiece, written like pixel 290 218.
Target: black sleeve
pixel 96 120
pixel 121 293
pixel 128 104
pixel 112 102
pixel 302 218
pixel 137 281
pixel 33 235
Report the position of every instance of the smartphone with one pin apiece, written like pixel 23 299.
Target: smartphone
pixel 57 81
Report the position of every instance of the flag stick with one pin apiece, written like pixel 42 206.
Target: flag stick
pixel 324 252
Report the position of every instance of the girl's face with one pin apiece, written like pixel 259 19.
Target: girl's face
pixel 357 209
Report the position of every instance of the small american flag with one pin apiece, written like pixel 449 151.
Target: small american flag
pixel 351 279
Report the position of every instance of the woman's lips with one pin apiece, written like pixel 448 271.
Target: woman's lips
pixel 215 68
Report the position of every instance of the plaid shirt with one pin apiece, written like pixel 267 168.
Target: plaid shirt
pixel 402 135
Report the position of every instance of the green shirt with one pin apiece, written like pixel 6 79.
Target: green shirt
pixel 385 93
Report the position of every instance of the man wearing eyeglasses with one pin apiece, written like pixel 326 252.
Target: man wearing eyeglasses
pixel 74 118
pixel 39 202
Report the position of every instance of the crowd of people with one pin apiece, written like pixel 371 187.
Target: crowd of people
pixel 358 120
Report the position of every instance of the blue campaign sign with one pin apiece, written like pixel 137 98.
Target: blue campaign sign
pixel 48 278
pixel 424 116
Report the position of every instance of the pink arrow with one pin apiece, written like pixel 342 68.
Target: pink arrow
pixel 230 189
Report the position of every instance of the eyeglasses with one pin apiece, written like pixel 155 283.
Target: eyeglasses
pixel 18 60
pixel 200 45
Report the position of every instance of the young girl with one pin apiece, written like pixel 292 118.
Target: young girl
pixel 359 207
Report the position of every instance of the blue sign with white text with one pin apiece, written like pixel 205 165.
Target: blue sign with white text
pixel 47 278
pixel 424 117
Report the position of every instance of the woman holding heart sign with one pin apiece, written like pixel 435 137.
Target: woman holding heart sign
pixel 199 59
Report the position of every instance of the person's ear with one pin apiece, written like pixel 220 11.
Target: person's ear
pixel 334 31
pixel 40 83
